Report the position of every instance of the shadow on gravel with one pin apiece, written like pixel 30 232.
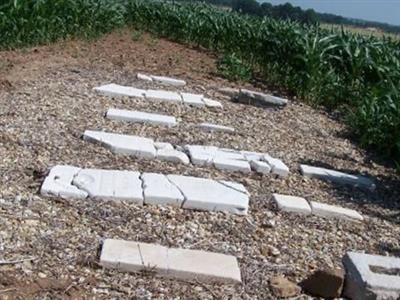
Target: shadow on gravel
pixel 383 202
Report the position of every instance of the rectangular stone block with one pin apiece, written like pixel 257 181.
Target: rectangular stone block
pixel 183 264
pixel 261 167
pixel 213 127
pixel 173 155
pixel 110 185
pixel 140 117
pixel 232 165
pixel 168 80
pixel 144 77
pixel 338 177
pixel 195 100
pixel 159 95
pixel 292 204
pixel 331 211
pixel 115 90
pixel 212 103
pixel 207 194
pixel 278 167
pixel 158 190
pixel 371 276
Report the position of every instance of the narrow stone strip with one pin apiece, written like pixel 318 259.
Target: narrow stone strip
pixel 181 264
pixel 140 117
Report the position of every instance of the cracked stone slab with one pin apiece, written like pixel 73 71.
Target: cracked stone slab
pixel 160 191
pixel 110 185
pixel 232 165
pixel 212 103
pixel 59 183
pixel 208 194
pixel 201 155
pixel 144 77
pixel 172 155
pixel 260 166
pixel 123 144
pixel 214 127
pixel 181 264
pixel 115 90
pixel 195 100
pixel 161 145
pixel 371 276
pixel 140 117
pixel 277 166
pixel 338 177
pixel 160 95
pixel 292 204
pixel 331 211
pixel 168 80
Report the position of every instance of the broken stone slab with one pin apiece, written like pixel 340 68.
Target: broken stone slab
pixel 175 263
pixel 201 155
pixel 277 166
pixel 172 155
pixel 214 127
pixel 59 183
pixel 144 77
pixel 115 90
pixel 226 153
pixel 260 166
pixel 123 144
pixel 212 103
pixel 159 190
pixel 232 165
pixel 207 194
pixel 195 100
pixel 230 92
pixel 111 185
pixel 257 98
pixel 325 283
pixel 160 95
pixel 292 204
pixel 161 145
pixel 338 177
pixel 331 211
pixel 168 80
pixel 140 117
pixel 371 276
pixel 251 155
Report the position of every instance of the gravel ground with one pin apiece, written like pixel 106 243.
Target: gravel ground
pixel 46 102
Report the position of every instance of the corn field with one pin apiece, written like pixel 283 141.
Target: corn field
pixel 357 74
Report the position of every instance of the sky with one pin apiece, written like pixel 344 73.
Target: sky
pixel 386 11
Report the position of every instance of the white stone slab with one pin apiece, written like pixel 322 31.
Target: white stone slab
pixel 172 155
pixel 59 183
pixel 140 117
pixel 251 155
pixel 207 194
pixel 160 145
pixel 110 185
pixel 331 211
pixel 229 154
pixel 278 167
pixel 168 80
pixel 201 155
pixel 159 190
pixel 181 264
pixel 123 144
pixel 363 281
pixel 193 99
pixel 144 77
pixel 115 90
pixel 236 186
pixel 160 95
pixel 215 127
pixel 232 165
pixel 292 204
pixel 212 103
pixel 337 177
pixel 260 166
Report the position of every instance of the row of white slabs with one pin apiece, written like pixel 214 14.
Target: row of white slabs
pixel 157 119
pixel 70 182
pixel 220 158
pixel 197 100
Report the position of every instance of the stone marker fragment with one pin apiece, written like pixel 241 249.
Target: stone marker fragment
pixel 257 98
pixel 230 92
pixel 140 117
pixel 144 77
pixel 327 283
pixel 326 210
pixel 168 80
pixel 215 127
pixel 115 90
pixel 195 100
pixel 292 204
pixel 123 144
pixel 159 190
pixel 337 177
pixel 181 264
pixel 232 165
pixel 160 95
pixel 260 166
pixel 371 276
pixel 277 166
pixel 161 145
pixel 207 194
pixel 284 288
pixel 172 155
pixel 59 183
pixel 212 103
pixel 110 185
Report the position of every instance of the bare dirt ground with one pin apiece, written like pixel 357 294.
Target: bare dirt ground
pixel 46 102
